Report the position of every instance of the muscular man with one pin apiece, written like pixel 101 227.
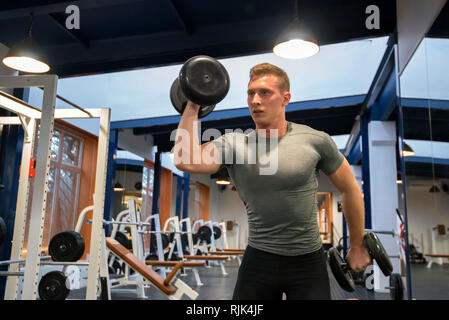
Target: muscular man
pixel 284 253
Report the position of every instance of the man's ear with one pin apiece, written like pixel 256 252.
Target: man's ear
pixel 287 97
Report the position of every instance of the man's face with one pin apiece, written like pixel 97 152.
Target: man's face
pixel 266 102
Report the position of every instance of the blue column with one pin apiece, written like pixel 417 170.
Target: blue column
pixel 156 186
pixel 185 205
pixel 365 169
pixel 110 178
pixel 11 143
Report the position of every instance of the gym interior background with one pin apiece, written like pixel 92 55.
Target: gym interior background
pixel 390 123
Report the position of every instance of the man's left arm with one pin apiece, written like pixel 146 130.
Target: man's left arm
pixel 353 209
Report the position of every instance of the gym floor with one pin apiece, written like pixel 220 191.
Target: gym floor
pixel 219 287
pixel 430 284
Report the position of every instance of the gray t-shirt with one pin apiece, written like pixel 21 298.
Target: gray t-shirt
pixel 277 180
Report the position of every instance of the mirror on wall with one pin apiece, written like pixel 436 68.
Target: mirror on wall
pixel 424 102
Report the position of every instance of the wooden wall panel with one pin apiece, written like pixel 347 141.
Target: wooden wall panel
pixel 204 201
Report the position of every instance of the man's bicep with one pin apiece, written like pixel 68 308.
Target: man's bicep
pixel 343 178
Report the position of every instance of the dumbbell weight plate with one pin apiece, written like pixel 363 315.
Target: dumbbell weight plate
pixel 204 80
pixel 343 277
pixel 179 100
pixel 67 246
pixel 396 287
pixel 378 253
pixel 53 286
pixel 177 97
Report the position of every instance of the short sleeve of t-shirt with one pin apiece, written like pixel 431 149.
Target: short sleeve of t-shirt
pixel 224 148
pixel 330 157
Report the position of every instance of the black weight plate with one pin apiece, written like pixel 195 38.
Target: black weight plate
pixel 195 238
pixel 184 239
pixel 174 257
pixel 204 80
pixel 177 97
pixel 2 230
pixel 53 286
pixel 396 287
pixel 153 242
pixel 378 253
pixel 152 256
pixel 343 277
pixel 217 232
pixel 123 239
pixel 66 246
pixel 179 100
pixel 205 110
pixel 165 240
pixel 204 233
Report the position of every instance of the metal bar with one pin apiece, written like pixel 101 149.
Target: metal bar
pixel 382 232
pixel 18 106
pixel 403 174
pixel 98 212
pixel 10 273
pixel 21 211
pixel 39 198
pixel 65 263
pixel 19 261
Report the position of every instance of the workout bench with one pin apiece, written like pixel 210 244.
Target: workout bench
pixel 172 287
pixel 432 258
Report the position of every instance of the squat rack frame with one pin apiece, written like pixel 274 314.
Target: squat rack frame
pixel 27 116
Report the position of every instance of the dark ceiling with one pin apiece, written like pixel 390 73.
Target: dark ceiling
pixel 117 35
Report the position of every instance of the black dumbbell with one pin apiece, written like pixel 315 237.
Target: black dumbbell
pixel 202 80
pixel 340 268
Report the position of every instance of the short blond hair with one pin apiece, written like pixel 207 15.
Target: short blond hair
pixel 268 68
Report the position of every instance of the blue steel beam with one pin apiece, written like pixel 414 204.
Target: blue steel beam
pixel 240 112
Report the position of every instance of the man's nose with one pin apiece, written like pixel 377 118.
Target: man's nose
pixel 255 99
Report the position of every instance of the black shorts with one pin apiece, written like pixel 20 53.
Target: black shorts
pixel 266 276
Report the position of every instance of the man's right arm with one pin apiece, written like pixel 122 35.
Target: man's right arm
pixel 189 155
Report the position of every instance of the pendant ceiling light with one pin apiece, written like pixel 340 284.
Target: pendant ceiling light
pixel 407 151
pixel 26 56
pixel 296 42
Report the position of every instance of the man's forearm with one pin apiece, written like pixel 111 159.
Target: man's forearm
pixel 354 212
pixel 186 142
